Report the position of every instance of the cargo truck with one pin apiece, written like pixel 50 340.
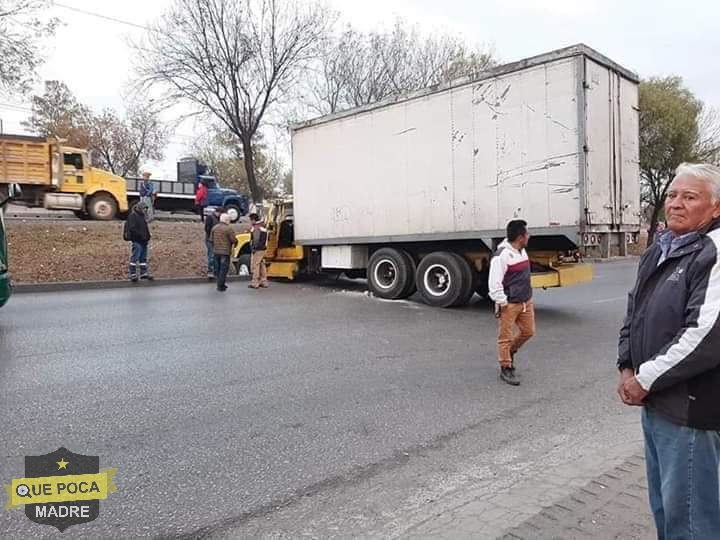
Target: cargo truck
pixel 58 177
pixel 414 192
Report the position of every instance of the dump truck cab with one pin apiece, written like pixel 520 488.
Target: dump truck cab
pixel 102 195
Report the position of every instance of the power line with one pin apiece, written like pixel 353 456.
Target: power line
pixel 106 17
pixel 15 108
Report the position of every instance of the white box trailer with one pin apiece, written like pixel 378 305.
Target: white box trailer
pixel 552 139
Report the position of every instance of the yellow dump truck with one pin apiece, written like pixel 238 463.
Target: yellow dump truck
pixel 59 177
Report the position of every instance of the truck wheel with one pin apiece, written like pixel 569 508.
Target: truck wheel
pixel 468 281
pixel 243 265
pixel 233 210
pixel 102 207
pixel 389 271
pixel 441 279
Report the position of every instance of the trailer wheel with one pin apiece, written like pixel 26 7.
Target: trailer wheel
pixel 102 207
pixel 468 281
pixel 243 265
pixel 233 210
pixel 441 279
pixel 389 272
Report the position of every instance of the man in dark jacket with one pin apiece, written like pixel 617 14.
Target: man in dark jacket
pixel 137 232
pixel 669 358
pixel 223 239
pixel 212 220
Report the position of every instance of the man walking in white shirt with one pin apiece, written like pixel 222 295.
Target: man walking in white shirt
pixel 510 289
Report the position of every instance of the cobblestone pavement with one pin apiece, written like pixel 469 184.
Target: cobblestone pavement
pixel 613 506
pixel 600 495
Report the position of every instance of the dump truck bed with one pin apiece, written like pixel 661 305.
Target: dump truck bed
pixel 24 160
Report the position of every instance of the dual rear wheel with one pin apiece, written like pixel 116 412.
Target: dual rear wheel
pixel 443 278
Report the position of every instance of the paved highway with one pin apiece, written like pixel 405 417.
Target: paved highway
pixel 305 409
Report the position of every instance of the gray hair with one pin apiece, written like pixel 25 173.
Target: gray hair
pixel 702 171
pixel 225 218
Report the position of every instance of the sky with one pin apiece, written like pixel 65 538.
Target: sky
pixel 650 37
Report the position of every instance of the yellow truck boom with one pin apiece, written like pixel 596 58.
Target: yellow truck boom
pixel 59 177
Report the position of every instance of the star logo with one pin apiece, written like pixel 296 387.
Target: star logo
pixel 62 464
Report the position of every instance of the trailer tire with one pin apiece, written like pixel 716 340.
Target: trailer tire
pixel 441 279
pixel 243 265
pixel 468 281
pixel 389 271
pixel 102 207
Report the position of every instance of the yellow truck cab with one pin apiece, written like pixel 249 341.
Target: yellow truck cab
pixel 284 258
pixel 59 177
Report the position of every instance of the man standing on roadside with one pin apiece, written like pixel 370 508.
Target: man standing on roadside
pixel 669 358
pixel 212 220
pixel 510 289
pixel 201 199
pixel 258 243
pixel 223 239
pixel 147 196
pixel 137 232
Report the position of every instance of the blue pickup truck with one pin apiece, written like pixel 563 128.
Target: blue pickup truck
pixel 173 196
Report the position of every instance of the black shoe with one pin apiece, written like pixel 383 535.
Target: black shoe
pixel 508 375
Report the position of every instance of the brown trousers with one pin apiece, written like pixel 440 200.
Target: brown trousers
pixel 258 269
pixel 522 316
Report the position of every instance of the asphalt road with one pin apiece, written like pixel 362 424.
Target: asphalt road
pixel 303 409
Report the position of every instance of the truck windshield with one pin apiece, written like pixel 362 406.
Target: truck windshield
pixel 4 274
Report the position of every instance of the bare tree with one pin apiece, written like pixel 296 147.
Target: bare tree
pixel 232 59
pixel 357 69
pixel 121 146
pixel 21 32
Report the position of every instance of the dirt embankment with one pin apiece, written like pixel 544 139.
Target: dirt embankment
pixel 55 251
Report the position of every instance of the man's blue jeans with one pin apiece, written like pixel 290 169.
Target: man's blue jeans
pixel 138 260
pixel 683 470
pixel 210 256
